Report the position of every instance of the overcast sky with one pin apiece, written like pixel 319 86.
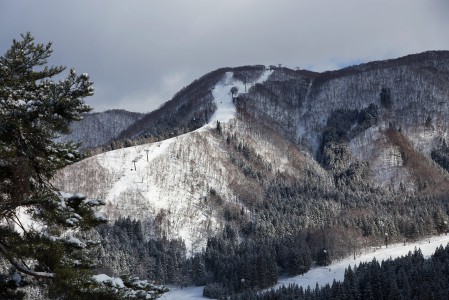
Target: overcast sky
pixel 140 52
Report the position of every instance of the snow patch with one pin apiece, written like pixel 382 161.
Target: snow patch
pixel 105 279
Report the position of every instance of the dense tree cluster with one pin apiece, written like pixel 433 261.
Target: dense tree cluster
pixel 247 74
pixel 160 260
pixel 225 266
pixel 408 277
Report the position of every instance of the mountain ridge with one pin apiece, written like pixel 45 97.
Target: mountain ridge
pixel 176 106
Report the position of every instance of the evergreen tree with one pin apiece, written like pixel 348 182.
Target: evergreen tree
pixel 34 110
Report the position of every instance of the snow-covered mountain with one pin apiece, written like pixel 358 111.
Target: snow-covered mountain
pixel 327 149
pixel 185 183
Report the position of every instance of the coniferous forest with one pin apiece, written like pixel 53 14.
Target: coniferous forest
pixel 409 277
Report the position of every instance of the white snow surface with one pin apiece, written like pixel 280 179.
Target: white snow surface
pixel 326 275
pixel 226 110
pixel 126 162
pixel 191 292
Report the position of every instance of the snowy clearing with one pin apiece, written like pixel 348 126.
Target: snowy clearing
pixel 324 275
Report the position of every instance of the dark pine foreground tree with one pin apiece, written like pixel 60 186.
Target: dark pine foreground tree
pixel 39 225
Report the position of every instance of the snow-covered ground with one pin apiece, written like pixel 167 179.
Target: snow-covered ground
pixel 176 293
pixel 336 271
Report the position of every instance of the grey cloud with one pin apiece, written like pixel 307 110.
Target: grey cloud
pixel 139 53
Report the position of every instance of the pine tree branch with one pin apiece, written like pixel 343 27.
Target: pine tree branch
pixel 24 269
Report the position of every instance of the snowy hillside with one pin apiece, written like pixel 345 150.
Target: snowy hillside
pixel 335 271
pixel 171 181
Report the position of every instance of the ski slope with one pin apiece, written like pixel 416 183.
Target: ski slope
pixel 326 275
pixel 223 100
